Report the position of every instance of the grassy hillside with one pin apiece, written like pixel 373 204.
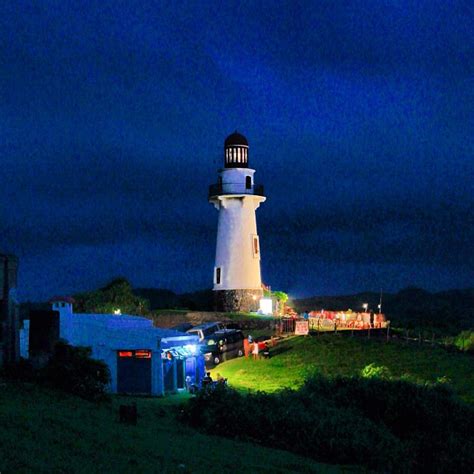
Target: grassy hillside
pixel 331 354
pixel 49 432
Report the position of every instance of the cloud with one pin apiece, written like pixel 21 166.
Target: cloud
pixel 359 120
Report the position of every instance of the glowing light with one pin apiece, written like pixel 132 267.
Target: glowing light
pixel 125 354
pixel 143 354
pixel 191 348
pixel 266 305
pixel 117 311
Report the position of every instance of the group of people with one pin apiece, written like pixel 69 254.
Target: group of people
pixel 207 380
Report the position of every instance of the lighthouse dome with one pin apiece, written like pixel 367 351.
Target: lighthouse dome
pixel 236 138
pixel 236 151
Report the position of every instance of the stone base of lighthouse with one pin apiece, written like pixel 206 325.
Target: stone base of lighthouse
pixel 237 300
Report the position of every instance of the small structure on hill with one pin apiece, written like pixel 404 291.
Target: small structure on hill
pixel 142 359
pixel 237 280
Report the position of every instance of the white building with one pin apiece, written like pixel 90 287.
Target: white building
pixel 237 279
pixel 141 358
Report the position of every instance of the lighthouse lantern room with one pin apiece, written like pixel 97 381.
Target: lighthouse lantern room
pixel 237 280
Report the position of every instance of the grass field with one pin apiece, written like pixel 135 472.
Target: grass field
pixel 48 432
pixel 330 354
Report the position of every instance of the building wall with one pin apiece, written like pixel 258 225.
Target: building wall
pixel 9 311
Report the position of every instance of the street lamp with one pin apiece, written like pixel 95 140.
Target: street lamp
pixel 365 306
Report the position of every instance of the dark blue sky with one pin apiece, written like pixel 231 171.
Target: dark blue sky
pixel 360 120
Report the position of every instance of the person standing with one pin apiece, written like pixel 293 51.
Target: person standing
pixel 246 347
pixel 255 350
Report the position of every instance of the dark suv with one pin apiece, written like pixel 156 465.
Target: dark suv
pixel 223 345
pixel 206 330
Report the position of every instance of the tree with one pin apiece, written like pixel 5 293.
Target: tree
pixel 281 298
pixel 116 296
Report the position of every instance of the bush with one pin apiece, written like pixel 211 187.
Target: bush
pixel 465 341
pixel 373 371
pixel 386 425
pixel 72 370
pixel 21 371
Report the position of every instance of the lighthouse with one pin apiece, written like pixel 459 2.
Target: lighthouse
pixel 237 279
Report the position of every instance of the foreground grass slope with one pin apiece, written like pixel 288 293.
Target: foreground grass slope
pixel 330 354
pixel 49 432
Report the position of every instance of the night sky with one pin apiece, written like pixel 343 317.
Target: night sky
pixel 360 119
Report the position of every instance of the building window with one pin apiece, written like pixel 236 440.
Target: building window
pixel 255 246
pixel 218 275
pixel 143 354
pixel 248 182
pixel 125 353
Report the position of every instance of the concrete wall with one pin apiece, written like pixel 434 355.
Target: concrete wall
pixel 9 311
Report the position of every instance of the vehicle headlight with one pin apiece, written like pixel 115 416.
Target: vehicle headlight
pixel 211 342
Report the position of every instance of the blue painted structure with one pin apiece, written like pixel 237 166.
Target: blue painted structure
pixel 174 356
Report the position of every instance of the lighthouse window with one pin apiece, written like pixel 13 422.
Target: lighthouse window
pixel 255 246
pixel 248 182
pixel 218 275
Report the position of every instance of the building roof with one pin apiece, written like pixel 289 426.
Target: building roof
pixel 62 299
pixel 235 138
pixel 125 332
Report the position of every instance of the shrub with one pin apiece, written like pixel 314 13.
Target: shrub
pixel 386 425
pixel 21 371
pixel 465 341
pixel 373 371
pixel 72 370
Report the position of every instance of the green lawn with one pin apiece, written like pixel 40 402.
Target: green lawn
pixel 331 354
pixel 48 432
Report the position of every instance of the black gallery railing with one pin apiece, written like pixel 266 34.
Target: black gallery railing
pixel 229 188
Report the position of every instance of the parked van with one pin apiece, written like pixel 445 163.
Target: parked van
pixel 223 345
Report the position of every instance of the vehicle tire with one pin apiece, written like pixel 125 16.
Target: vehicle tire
pixel 240 353
pixel 216 360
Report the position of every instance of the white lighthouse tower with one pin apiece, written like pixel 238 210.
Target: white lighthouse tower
pixel 237 280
